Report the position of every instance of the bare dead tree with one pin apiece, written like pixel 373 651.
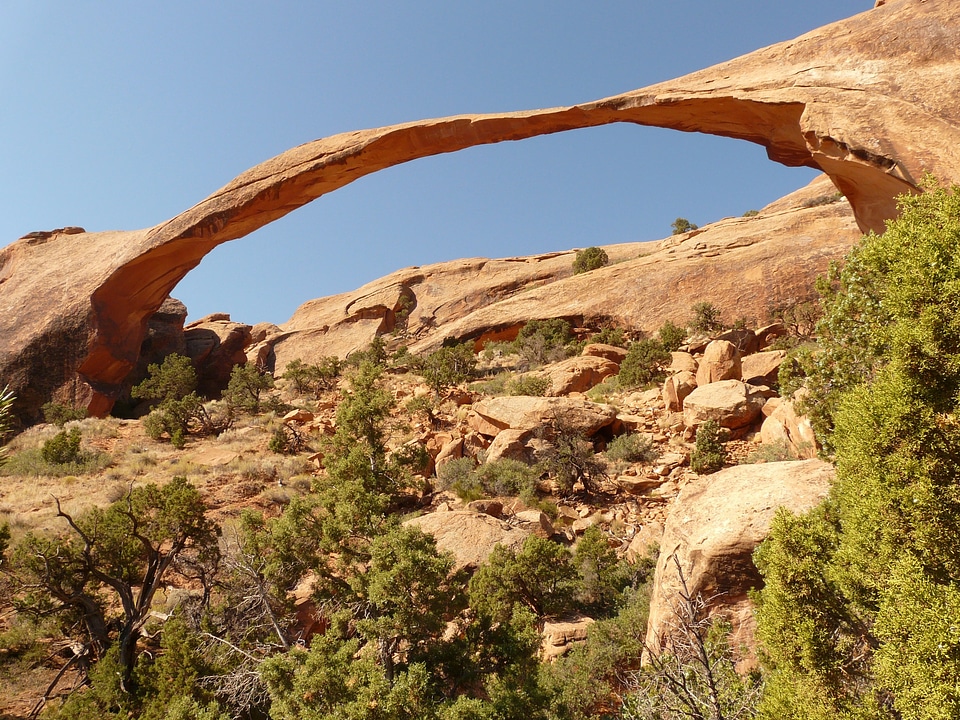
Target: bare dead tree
pixel 693 676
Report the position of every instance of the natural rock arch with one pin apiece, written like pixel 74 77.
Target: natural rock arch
pixel 871 101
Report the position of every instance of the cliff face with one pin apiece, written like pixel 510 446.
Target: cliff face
pixel 871 101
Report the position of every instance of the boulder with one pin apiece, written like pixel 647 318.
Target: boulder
pixel 784 425
pixel 676 388
pixel 745 340
pixel 578 374
pixel 761 368
pixel 536 521
pixel 451 450
pixel 720 361
pixel 768 334
pixel 216 344
pixel 712 529
pixel 470 536
pixel 607 352
pixel 732 403
pixel 682 362
pixel 560 636
pixel 510 444
pixel 530 413
pixel 645 542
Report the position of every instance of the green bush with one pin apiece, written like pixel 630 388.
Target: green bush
pixel 569 457
pixel 504 477
pixel 448 366
pixel 531 385
pixel 706 317
pixel 57 414
pixel 709 454
pixel 631 447
pixel 858 613
pixel 682 225
pixel 610 336
pixel 315 378
pixel 588 259
pixel 643 364
pixel 63 448
pixel 173 379
pixel 541 341
pixel 671 336
pixel 246 388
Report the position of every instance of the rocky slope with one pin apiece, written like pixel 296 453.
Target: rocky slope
pixel 744 265
pixel 871 101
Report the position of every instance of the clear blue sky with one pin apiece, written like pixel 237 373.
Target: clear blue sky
pixel 119 115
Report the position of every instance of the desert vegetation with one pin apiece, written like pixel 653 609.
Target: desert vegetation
pixel 259 554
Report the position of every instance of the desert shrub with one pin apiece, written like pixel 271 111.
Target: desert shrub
pixel 422 405
pixel 173 379
pixel 175 419
pixel 799 319
pixel 58 414
pixel 448 366
pixel 709 454
pixel 589 259
pixel 751 213
pixel 375 354
pixel 862 594
pixel 314 378
pixel 541 577
pixel 682 225
pixel 671 336
pixel 771 452
pixel 588 682
pixel 643 363
pixel 532 385
pixel 246 388
pixel 500 477
pixel 496 385
pixel 287 440
pixel 541 341
pixel 63 448
pixel 631 447
pixel 706 317
pixel 569 457
pixel 610 336
pixel 828 199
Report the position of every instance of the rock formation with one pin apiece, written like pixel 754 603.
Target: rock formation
pixel 871 101
pixel 712 530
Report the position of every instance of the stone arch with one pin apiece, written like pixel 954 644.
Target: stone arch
pixel 847 99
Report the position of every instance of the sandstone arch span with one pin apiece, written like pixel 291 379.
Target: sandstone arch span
pixel 872 101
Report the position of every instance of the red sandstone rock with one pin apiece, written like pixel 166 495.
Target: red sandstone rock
pixel 871 100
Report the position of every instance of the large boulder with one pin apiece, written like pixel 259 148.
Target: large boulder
pixel 529 413
pixel 72 329
pixel 216 344
pixel 785 426
pixel 732 403
pixel 470 536
pixel 762 368
pixel 676 388
pixel 578 374
pixel 720 361
pixel 711 531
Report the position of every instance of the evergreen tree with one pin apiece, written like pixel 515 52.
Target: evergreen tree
pixel 861 606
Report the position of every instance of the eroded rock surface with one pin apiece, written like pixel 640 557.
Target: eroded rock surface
pixel 872 101
pixel 712 530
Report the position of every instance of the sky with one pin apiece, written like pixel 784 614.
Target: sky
pixel 120 115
